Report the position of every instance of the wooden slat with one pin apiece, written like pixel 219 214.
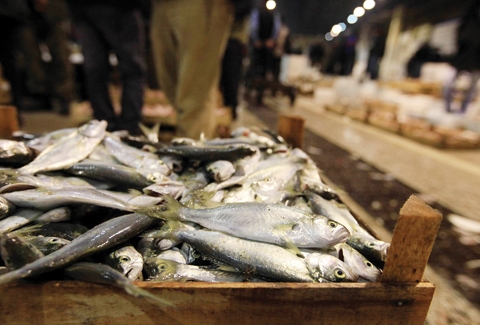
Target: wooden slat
pixel 8 121
pixel 291 128
pixel 412 242
pixel 71 302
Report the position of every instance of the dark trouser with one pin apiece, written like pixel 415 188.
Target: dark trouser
pixel 101 29
pixel 8 57
pixel 231 74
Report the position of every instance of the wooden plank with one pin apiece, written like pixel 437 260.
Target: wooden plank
pixel 71 302
pixel 412 242
pixel 8 121
pixel 291 128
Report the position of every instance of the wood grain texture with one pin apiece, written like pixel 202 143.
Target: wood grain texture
pixel 292 129
pixel 412 242
pixel 71 302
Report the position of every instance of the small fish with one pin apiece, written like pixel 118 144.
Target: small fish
pixel 271 223
pixel 19 218
pixel 6 207
pixel 359 264
pixel 211 153
pixel 68 231
pixel 168 270
pixel 220 170
pixel 69 150
pixel 15 153
pixel 127 261
pixel 101 237
pixel 330 268
pixel 55 215
pixel 104 274
pixel 373 249
pixel 17 252
pixel 46 245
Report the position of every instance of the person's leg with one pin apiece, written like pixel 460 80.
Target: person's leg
pixel 448 92
pixel 201 29
pixel 128 43
pixel 471 91
pixel 231 74
pixel 96 69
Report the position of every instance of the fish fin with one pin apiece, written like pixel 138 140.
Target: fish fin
pixel 281 230
pixel 150 133
pixel 167 210
pixel 135 192
pixel 135 291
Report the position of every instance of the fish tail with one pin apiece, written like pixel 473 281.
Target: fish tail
pixel 169 209
pixel 139 292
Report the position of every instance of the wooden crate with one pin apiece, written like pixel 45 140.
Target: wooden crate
pixel 401 297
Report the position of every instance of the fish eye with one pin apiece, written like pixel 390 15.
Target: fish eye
pixel 371 244
pixel 339 273
pixel 369 264
pixel 332 224
pixel 53 240
pixel 124 259
pixel 162 267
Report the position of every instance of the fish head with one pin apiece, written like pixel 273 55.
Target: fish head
pixel 93 129
pixel 373 249
pixel 330 268
pixel 16 251
pixel 220 170
pixel 161 167
pixel 362 266
pixel 128 261
pixel 161 269
pixel 328 231
pixel 5 207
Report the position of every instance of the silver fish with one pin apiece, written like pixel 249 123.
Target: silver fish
pixel 271 223
pixel 145 161
pixel 168 270
pixel 59 182
pixel 15 153
pixel 101 237
pixel 72 148
pixel 120 175
pixel 330 268
pixel 55 215
pixel 46 245
pixel 47 199
pixel 262 259
pixel 127 261
pixel 359 264
pixel 20 218
pixel 17 252
pixel 42 142
pixel 104 274
pixel 6 207
pixel 220 170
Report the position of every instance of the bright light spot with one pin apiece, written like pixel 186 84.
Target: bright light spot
pixel 271 4
pixel 352 19
pixel 336 29
pixel 334 34
pixel 369 4
pixel 342 26
pixel 328 37
pixel 359 12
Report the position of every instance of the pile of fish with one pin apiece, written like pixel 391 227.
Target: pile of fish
pixel 83 203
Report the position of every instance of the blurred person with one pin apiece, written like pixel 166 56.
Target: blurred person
pixel 265 25
pixel 349 53
pixel 188 41
pixel 282 46
pixel 467 58
pixel 14 14
pixel 103 27
pixel 316 53
pixel 51 81
pixel 376 52
pixel 232 62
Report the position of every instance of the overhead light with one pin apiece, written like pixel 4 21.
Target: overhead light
pixel 271 4
pixel 342 26
pixel 334 34
pixel 369 4
pixel 359 11
pixel 352 19
pixel 336 29
pixel 328 37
